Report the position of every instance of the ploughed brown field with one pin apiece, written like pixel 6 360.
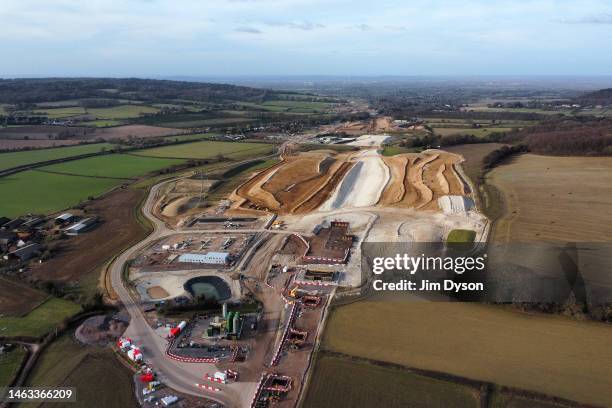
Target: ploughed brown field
pixel 82 257
pixel 554 198
pixel 17 299
pixel 554 355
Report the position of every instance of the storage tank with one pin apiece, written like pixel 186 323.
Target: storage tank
pixel 176 330
pixel 236 322
pixel 229 325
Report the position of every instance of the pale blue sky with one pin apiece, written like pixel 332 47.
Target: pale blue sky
pixel 305 37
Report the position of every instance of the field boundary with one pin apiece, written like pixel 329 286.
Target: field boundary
pixel 485 389
pixel 62 173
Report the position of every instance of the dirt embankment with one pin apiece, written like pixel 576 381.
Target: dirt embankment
pixel 298 183
pixel 418 180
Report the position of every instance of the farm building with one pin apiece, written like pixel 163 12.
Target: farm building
pixel 7 237
pixel 64 219
pixel 12 224
pixel 214 258
pixel 31 223
pixel 25 253
pixel 81 226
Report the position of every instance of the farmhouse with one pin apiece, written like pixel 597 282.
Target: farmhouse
pixel 213 258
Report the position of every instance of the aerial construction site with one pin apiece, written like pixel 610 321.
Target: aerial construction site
pixel 263 264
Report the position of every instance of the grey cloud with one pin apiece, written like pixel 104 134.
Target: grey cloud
pixel 248 30
pixel 592 19
pixel 363 27
pixel 305 26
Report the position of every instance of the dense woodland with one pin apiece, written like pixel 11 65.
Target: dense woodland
pixel 581 136
pixel 28 91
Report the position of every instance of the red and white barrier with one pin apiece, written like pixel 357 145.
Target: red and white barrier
pixel 292 316
pixel 208 387
pixel 188 359
pixel 258 390
pixel 315 283
pixel 213 379
pixel 234 356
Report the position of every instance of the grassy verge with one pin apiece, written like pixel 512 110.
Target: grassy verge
pixel 40 320
pixel 10 363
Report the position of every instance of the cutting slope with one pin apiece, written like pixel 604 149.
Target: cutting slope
pixel 363 185
pixel 296 184
pixel 418 180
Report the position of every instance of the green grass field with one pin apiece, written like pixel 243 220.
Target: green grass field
pixel 41 193
pixel 122 111
pixel 289 106
pixel 114 165
pixel 57 113
pixel 339 382
pixel 101 123
pixel 10 363
pixel 394 149
pixel 40 320
pixel 114 112
pixel 201 121
pixel 209 150
pixel 14 159
pixel 197 136
pixel 99 378
pixel 461 235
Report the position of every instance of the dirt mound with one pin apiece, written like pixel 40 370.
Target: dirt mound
pixel 285 187
pixel 100 330
pixel 418 180
pixel 181 206
pixel 157 292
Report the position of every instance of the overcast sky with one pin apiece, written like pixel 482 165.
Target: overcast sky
pixel 305 37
